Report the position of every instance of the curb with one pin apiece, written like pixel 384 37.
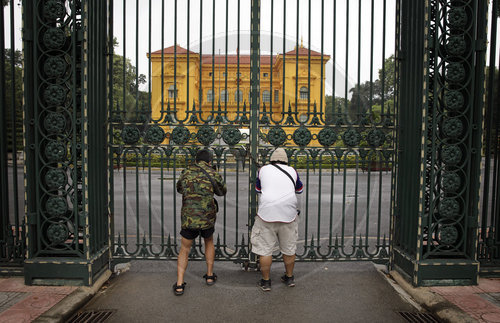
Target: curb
pixel 63 310
pixel 432 302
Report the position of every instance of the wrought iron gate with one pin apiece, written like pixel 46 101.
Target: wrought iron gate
pixel 336 121
pixel 488 250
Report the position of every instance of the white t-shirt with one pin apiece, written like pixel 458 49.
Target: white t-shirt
pixel 277 201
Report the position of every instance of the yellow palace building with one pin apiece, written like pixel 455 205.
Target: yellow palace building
pixel 231 88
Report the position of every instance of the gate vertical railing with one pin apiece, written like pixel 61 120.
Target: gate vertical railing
pixel 336 121
pixel 443 46
pixel 65 100
pixel 489 240
pixel 12 234
pixel 254 108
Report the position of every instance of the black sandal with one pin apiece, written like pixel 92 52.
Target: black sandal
pixel 179 289
pixel 213 278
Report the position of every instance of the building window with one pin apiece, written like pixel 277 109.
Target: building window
pixel 238 96
pixel 266 96
pixel 266 74
pixel 210 96
pixel 172 92
pixel 304 93
pixel 223 96
pixel 276 96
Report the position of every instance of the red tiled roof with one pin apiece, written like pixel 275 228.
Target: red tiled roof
pixel 170 50
pixel 233 59
pixel 305 52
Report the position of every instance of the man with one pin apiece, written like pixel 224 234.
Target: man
pixel 197 184
pixel 276 221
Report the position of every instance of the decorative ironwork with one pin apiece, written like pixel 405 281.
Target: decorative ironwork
pixel 302 136
pixel 448 235
pixel 55 178
pixel 451 182
pixel 449 208
pixel 55 122
pixel 276 136
pixel 206 135
pixel 351 138
pixel 180 135
pixel 327 136
pixel 231 135
pixel 342 146
pixel 57 233
pixel 155 135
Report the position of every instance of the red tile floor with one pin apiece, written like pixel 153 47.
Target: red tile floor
pixel 481 302
pixel 20 303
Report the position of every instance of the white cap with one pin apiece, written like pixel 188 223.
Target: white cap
pixel 279 155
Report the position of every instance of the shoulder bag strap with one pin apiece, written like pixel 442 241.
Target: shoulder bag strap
pixel 214 184
pixel 286 173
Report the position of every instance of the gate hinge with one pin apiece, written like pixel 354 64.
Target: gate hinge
pixel 481 45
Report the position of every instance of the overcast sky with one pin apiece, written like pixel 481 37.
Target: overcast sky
pixel 344 26
pixel 136 41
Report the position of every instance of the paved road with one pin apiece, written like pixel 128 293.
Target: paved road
pixel 331 204
pixel 325 292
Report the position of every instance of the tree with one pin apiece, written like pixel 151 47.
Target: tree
pixel 14 88
pixel 334 109
pixel 126 94
pixel 368 94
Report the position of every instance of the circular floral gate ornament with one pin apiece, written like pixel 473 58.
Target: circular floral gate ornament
pixel 55 122
pixel 454 100
pixel 55 178
pixel 450 182
pixel 56 206
pixel 54 9
pixel 456 45
pixel 375 138
pixel 130 135
pixel 457 17
pixel 302 136
pixel 180 135
pixel 231 135
pixel 276 136
pixel 206 135
pixel 55 151
pixel 54 66
pixel 448 234
pixel 453 127
pixel 54 38
pixel 351 138
pixel 57 233
pixel 327 136
pixel 155 135
pixel 449 208
pixel 451 155
pixel 54 95
pixel 455 72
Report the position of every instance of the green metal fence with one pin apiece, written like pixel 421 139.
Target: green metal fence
pixel 12 233
pixel 342 141
pixel 488 250
pixel 436 217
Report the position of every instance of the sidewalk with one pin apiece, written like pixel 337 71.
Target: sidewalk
pixel 325 292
